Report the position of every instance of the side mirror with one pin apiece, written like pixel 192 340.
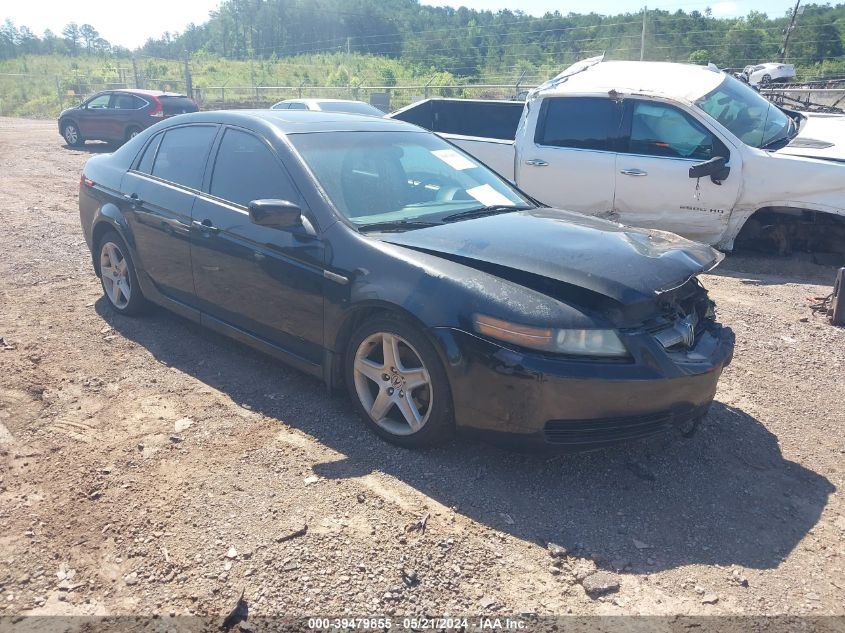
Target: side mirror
pixel 275 214
pixel 715 168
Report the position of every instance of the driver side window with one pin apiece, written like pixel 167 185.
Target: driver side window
pixel 99 103
pixel 658 129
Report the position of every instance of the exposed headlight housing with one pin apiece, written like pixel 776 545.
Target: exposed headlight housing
pixel 558 341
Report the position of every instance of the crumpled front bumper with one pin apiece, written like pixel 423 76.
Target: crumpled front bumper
pixel 581 404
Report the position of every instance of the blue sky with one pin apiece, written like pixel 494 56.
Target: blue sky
pixel 131 23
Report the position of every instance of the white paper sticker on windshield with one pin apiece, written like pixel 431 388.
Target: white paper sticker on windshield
pixel 489 197
pixel 453 159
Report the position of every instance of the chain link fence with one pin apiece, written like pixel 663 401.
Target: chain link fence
pixel 44 96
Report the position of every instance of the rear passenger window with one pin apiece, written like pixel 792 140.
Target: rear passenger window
pixel 146 163
pixel 578 122
pixel 181 155
pixel 126 102
pixel 247 170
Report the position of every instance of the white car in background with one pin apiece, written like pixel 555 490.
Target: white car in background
pixel 765 74
pixel 348 106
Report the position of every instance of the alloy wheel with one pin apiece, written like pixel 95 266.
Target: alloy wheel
pixel 114 271
pixel 392 383
pixel 71 134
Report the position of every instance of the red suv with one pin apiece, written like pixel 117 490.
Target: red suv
pixel 118 115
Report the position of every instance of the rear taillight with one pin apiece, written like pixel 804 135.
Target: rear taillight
pixel 84 180
pixel 157 111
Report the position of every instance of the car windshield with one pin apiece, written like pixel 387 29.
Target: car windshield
pixel 395 177
pixel 350 107
pixel 746 113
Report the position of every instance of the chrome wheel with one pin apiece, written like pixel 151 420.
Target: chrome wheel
pixel 114 271
pixel 133 133
pixel 71 134
pixel 392 383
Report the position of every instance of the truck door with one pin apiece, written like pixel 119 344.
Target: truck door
pixel 570 161
pixel 653 188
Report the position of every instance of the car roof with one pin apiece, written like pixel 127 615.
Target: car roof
pixel 298 121
pixel 683 81
pixel 148 93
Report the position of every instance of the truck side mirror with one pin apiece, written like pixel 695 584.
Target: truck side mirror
pixel 716 168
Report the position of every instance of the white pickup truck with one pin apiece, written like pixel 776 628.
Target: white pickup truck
pixel 677 147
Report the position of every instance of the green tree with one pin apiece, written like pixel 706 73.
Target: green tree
pixel 72 37
pixel 90 35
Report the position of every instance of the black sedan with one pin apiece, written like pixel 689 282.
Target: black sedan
pixel 377 256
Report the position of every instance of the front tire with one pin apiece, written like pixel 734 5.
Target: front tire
pixel 398 384
pixel 118 276
pixel 71 135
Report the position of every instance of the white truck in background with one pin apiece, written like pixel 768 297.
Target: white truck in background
pixel 677 147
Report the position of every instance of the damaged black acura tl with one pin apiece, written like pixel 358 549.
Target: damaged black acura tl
pixel 375 255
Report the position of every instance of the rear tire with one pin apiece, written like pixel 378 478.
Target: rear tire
pixel 71 135
pixel 397 383
pixel 118 276
pixel 765 80
pixel 132 132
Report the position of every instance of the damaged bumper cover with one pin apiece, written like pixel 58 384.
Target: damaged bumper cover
pixel 580 404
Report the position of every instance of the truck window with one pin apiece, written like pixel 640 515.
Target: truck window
pixel 658 129
pixel 577 122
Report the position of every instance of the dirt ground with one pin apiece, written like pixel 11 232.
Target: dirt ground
pixel 151 466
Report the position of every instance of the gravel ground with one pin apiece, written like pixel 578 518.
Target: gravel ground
pixel 150 466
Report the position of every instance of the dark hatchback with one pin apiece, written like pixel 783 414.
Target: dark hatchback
pixel 375 255
pixel 116 116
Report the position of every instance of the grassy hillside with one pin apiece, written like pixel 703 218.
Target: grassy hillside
pixel 42 84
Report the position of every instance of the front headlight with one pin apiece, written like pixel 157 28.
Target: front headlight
pixel 558 341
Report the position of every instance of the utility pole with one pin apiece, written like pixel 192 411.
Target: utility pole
pixel 189 84
pixel 348 45
pixel 642 37
pixel 788 31
pixel 138 82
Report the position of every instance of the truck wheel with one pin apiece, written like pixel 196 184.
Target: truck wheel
pixel 838 299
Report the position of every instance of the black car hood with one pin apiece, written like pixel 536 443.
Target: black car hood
pixel 625 264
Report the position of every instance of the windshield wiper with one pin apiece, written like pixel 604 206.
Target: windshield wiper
pixel 478 213
pixel 396 225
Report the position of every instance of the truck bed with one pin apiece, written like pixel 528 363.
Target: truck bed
pixel 485 129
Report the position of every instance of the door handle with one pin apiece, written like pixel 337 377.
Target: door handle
pixel 634 172
pixel 132 198
pixel 536 162
pixel 206 226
